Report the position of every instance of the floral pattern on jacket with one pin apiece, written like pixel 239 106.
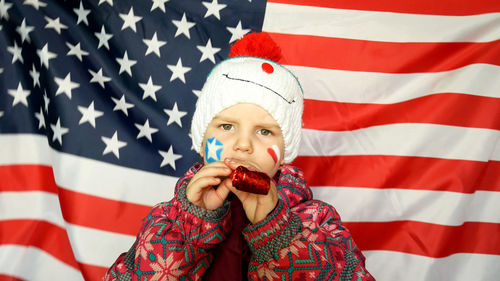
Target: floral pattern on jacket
pixel 302 239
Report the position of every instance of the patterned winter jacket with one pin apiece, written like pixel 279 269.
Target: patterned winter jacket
pixel 301 239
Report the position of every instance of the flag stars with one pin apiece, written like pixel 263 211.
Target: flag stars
pixel 113 144
pixel 35 3
pixel 65 85
pixel 208 52
pixel 129 20
pixel 169 158
pixel 183 26
pixel 35 75
pixel 237 32
pixel 16 52
pixel 75 50
pixel 160 4
pixel 174 115
pixel 149 89
pixel 178 71
pixel 98 77
pixel 103 38
pixel 122 105
pixel 46 101
pixel 89 114
pixel 146 131
pixel 213 8
pixel 41 118
pixel 154 45
pixel 4 8
pixel 24 31
pixel 20 95
pixel 126 64
pixel 55 24
pixel 110 2
pixel 59 131
pixel 82 14
pixel 45 55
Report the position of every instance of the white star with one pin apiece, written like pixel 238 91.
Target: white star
pixel 41 118
pixel 153 45
pixel 16 53
pixel 159 4
pixel 35 3
pixel 169 157
pixel 126 64
pixel 113 145
pixel 58 131
pixel 213 8
pixel 149 89
pixel 82 14
pixel 237 32
pixel 4 7
pixel 24 31
pixel 89 114
pixel 55 24
pixel 76 51
pixel 130 20
pixel 146 131
pixel 110 2
pixel 103 38
pixel 174 115
pixel 20 95
pixel 35 75
pixel 99 77
pixel 46 100
pixel 213 147
pixel 1 114
pixel 45 55
pixel 178 71
pixel 208 52
pixel 183 26
pixel 122 105
pixel 65 85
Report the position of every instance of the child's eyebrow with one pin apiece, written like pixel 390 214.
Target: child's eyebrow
pixel 228 119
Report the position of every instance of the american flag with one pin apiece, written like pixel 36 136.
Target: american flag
pixel 401 124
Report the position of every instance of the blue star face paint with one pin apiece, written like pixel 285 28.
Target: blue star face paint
pixel 213 150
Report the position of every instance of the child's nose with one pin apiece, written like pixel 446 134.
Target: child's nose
pixel 243 144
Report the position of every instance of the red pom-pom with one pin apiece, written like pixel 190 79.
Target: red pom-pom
pixel 259 45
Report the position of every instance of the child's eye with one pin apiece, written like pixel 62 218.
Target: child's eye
pixel 226 127
pixel 265 132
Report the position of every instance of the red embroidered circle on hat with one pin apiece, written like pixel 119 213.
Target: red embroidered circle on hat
pixel 268 68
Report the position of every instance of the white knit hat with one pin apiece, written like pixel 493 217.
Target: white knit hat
pixel 254 80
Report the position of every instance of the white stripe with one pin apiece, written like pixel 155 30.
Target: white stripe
pixel 97 247
pixel 34 205
pixel 387 88
pixel 34 264
pixel 406 139
pixel 438 207
pixel 86 175
pixel 386 265
pixel 380 26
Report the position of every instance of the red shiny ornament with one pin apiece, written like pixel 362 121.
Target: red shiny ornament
pixel 250 181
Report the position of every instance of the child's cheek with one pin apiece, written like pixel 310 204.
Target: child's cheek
pixel 275 153
pixel 213 150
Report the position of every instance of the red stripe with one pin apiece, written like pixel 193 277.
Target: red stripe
pixel 441 7
pixel 27 178
pixel 426 239
pixel 40 234
pixel 446 109
pixel 387 57
pixel 101 213
pixel 4 277
pixel 92 272
pixel 381 171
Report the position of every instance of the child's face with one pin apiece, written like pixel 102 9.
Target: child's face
pixel 247 133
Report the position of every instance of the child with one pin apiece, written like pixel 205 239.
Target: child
pixel 249 114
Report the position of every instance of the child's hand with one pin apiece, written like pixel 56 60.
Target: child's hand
pixel 200 190
pixel 256 206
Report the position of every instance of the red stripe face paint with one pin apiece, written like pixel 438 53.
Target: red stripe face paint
pixel 275 153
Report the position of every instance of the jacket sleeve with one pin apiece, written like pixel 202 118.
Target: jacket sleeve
pixel 175 241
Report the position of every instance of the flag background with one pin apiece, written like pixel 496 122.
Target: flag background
pixel 401 124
